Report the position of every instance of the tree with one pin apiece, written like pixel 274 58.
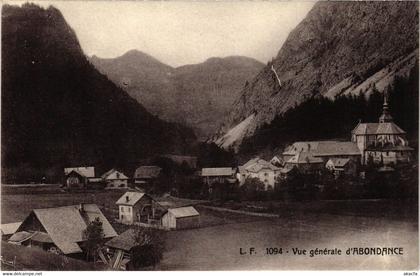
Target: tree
pixel 150 244
pixel 93 234
pixel 252 188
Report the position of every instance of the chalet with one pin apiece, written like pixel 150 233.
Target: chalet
pixel 342 167
pixel 115 179
pixel 181 218
pixel 60 229
pixel 382 142
pixel 261 169
pixel 8 229
pixel 138 207
pixel 146 174
pixel 80 177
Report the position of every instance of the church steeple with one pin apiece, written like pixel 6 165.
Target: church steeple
pixel 386 116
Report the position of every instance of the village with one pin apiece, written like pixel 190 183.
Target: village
pixel 134 210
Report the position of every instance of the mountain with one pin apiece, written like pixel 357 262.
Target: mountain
pixel 340 48
pixel 198 95
pixel 58 110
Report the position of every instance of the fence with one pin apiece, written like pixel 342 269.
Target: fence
pixel 267 215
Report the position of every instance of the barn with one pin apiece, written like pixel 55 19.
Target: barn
pixel 181 218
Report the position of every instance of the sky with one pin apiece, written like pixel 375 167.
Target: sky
pixel 180 32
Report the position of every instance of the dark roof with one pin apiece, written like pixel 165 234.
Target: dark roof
pixel 147 172
pixel 125 241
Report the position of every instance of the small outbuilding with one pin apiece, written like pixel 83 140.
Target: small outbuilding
pixel 181 218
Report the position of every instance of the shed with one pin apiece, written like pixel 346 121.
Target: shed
pixel 181 218
pixel 8 229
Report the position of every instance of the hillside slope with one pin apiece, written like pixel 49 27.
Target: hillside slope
pixel 339 48
pixel 198 95
pixel 58 110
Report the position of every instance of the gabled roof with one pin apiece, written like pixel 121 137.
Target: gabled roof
pixel 65 225
pixel 132 197
pixel 147 172
pixel 83 171
pixel 182 212
pixel 217 171
pixel 9 228
pixel 303 158
pixel 114 174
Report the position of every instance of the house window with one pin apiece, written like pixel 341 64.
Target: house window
pixel 265 174
pixel 122 208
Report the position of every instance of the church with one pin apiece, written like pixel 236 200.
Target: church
pixel 383 142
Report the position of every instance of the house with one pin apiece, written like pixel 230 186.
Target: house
pixel 342 166
pixel 8 229
pixel 305 162
pixel 79 177
pixel 60 229
pixel 181 218
pixel 261 169
pixel 382 142
pixel 138 207
pixel 115 179
pixel 146 174
pixel 189 161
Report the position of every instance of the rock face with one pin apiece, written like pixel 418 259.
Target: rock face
pixel 340 47
pixel 198 95
pixel 58 110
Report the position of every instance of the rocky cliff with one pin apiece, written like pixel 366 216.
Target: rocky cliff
pixel 339 48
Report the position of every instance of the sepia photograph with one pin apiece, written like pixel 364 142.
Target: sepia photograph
pixel 209 136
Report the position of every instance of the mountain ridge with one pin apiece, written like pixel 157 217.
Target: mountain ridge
pixel 58 110
pixel 171 92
